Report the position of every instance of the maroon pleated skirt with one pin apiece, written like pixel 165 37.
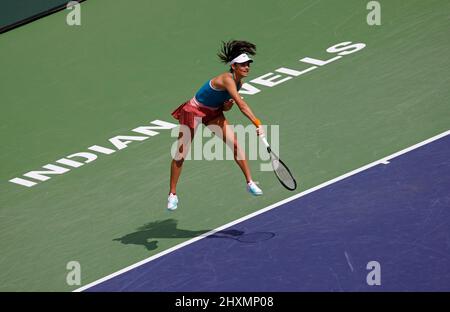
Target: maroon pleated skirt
pixel 190 113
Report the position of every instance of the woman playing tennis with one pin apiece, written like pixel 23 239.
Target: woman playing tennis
pixel 207 106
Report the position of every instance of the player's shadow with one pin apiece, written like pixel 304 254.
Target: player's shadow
pixel 146 234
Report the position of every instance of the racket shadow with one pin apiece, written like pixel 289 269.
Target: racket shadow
pixel 243 237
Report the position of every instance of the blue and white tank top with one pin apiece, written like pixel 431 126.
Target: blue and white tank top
pixel 212 97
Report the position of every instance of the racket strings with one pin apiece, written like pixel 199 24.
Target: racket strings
pixel 283 174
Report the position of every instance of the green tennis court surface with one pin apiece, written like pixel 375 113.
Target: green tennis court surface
pixel 64 89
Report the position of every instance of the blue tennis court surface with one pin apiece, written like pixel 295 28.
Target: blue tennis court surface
pixel 397 214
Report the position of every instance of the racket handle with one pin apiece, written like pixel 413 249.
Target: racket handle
pixel 263 138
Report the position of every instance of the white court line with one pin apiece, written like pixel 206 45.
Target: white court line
pixel 383 160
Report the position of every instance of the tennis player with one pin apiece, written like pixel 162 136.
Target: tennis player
pixel 217 95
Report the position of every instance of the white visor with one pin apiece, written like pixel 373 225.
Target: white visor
pixel 241 59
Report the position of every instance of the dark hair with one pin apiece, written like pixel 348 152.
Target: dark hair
pixel 233 48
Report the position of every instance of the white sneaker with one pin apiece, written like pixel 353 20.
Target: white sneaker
pixel 253 189
pixel 172 202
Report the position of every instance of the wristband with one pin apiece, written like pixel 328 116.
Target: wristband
pixel 257 122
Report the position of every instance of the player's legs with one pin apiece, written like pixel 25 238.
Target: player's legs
pixel 229 137
pixel 185 138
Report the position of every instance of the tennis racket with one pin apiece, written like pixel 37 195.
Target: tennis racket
pixel 282 172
